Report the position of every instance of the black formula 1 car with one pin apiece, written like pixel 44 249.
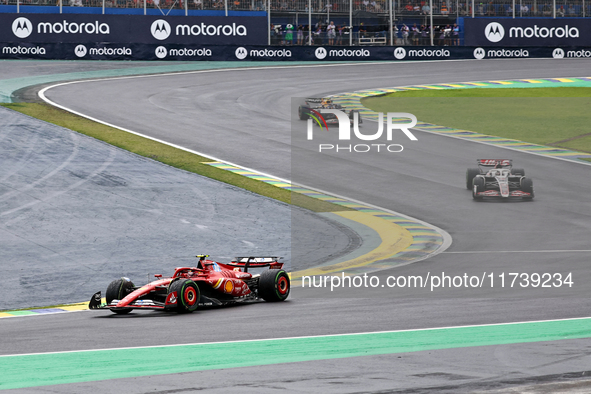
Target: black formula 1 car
pixel 313 106
pixel 208 284
pixel 498 178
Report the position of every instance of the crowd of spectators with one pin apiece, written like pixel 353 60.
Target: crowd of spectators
pixel 322 34
pixel 332 34
pixel 529 8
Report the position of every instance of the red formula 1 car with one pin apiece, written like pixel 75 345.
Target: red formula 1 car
pixel 208 284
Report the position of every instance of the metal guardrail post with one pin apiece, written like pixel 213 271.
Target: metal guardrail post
pixel 269 22
pixel 350 22
pixel 61 4
pixel 18 6
pixel 391 24
pixel 226 6
pixel 431 19
pixel 472 8
pixel 554 9
pixel 145 7
pixel 514 9
pixel 309 22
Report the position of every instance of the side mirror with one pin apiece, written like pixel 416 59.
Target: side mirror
pixel 158 275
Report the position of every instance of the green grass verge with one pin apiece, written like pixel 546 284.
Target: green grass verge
pixel 557 117
pixel 166 154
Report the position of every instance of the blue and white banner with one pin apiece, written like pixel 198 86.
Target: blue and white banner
pixel 125 29
pixel 196 52
pixel 527 32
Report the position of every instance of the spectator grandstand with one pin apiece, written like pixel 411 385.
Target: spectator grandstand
pixel 284 8
pixel 357 22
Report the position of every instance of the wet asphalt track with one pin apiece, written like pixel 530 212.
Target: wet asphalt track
pixel 76 213
pixel 425 182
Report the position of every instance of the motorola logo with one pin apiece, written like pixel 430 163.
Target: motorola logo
pixel 241 53
pixel 320 53
pixel 558 53
pixel 80 50
pixel 160 29
pixel 399 53
pixel 161 52
pixel 479 53
pixel 22 27
pixel 494 32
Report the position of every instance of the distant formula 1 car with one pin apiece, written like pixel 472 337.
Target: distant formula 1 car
pixel 208 284
pixel 498 178
pixel 313 106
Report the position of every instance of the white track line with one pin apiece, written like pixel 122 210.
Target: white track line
pixel 302 337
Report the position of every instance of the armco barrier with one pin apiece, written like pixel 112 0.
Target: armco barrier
pixel 139 51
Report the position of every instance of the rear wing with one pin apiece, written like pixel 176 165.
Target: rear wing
pixel 256 262
pixel 318 100
pixel 495 162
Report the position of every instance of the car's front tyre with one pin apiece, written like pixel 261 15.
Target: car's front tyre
pixel 118 290
pixel 477 187
pixel 527 185
pixel 470 174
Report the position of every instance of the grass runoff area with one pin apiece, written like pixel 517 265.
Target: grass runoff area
pixel 558 117
pixel 167 154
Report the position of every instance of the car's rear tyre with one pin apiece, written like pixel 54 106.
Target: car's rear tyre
pixel 187 294
pixel 274 285
pixel 470 174
pixel 527 185
pixel 118 290
pixel 302 114
pixel 477 187
pixel 518 171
